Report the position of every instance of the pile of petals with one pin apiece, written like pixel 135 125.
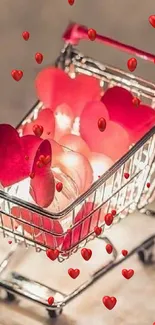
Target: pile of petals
pixel 65 136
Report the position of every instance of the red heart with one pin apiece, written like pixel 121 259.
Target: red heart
pixel 42 187
pixel 74 273
pixel 81 231
pixel 51 300
pixel 44 124
pixel 152 20
pixel 52 254
pixel 86 253
pixel 14 167
pixel 127 273
pixel 108 219
pixel 36 220
pixel 121 109
pixel 17 74
pixel 54 87
pixel 109 302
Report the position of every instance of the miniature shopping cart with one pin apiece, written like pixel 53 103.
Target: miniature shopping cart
pixel 125 196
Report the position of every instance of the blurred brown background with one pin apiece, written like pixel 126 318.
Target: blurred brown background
pixel 46 20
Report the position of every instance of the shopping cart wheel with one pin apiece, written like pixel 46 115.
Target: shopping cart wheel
pixel 146 253
pixel 54 313
pixel 10 297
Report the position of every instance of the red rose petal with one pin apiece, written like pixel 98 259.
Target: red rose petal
pixel 14 167
pixel 57 150
pixel 41 221
pixel 122 110
pixel 46 120
pixel 90 115
pixel 82 230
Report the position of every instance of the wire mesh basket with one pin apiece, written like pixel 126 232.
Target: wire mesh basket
pixel 110 191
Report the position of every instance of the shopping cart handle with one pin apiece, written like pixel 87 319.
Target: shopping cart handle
pixel 75 33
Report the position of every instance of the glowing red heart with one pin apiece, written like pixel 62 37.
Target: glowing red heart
pixel 50 300
pixel 43 126
pixel 17 74
pixel 132 64
pixel 109 302
pixel 35 220
pixel 127 273
pixel 109 248
pixel 54 88
pixel 108 219
pixel 86 253
pixel 39 57
pixel 92 34
pixel 124 252
pixel 26 35
pixel 74 273
pixel 122 111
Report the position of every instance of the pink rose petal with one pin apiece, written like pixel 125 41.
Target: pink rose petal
pixel 46 120
pixel 43 222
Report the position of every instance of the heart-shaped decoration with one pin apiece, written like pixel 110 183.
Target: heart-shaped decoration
pixel 152 20
pixel 52 254
pixel 86 253
pixel 74 273
pixel 17 74
pixel 109 302
pixel 54 87
pixel 127 273
pixel 121 109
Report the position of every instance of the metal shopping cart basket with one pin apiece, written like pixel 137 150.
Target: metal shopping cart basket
pixel 125 196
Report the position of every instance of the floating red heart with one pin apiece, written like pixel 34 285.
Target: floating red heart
pixel 127 273
pixel 17 74
pixel 152 20
pixel 108 219
pixel 124 252
pixel 39 57
pixel 71 2
pixel 50 300
pixel 109 248
pixel 86 253
pixel 74 273
pixel 26 35
pixel 92 34
pixel 137 122
pixel 98 231
pixel 109 302
pixel 52 254
pixel 132 64
pixel 54 88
